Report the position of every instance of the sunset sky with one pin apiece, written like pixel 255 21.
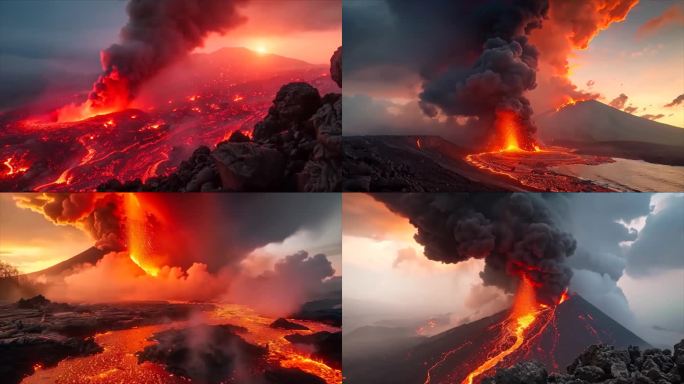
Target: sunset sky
pixel 58 43
pixel 31 242
pixel 388 276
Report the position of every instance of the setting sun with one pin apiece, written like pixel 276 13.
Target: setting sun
pixel 261 49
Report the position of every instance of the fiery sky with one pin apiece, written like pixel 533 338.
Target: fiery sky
pixel 627 248
pixel 31 242
pixel 55 45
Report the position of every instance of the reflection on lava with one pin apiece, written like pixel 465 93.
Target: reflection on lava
pixel 87 149
pixel 119 364
pixel 280 350
pixel 532 169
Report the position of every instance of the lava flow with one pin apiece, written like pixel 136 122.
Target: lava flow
pixel 118 362
pixel 524 161
pixel 139 247
pixel 527 320
pixel 84 145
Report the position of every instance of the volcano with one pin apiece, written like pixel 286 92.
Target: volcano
pixel 89 256
pixel 554 338
pixel 596 128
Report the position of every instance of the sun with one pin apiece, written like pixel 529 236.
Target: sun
pixel 261 49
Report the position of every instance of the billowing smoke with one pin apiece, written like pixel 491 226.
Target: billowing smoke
pixel 157 34
pixel 100 215
pixel 515 234
pixel 292 281
pixel 505 70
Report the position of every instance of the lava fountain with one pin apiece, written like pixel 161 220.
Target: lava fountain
pixel 139 245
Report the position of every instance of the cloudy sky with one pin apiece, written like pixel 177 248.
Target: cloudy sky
pixel 633 64
pixel 628 263
pixel 58 42
pixel 278 224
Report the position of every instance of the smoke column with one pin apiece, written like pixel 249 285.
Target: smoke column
pixel 515 234
pixel 505 65
pixel 158 33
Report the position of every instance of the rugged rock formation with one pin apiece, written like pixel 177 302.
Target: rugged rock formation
pixel 206 353
pixel 285 324
pixel 297 147
pixel 605 365
pixel 37 331
pixel 327 346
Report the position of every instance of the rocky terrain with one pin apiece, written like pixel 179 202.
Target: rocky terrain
pixel 297 147
pixel 37 332
pixel 603 364
pixel 212 353
pixel 404 164
pixel 289 325
pixel 327 346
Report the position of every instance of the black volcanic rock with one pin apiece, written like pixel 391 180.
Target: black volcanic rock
pixel 336 67
pixel 19 355
pixel 205 353
pixel 529 372
pixel 281 323
pixel 600 364
pixel 36 302
pixel 248 166
pixel 327 345
pixel 291 376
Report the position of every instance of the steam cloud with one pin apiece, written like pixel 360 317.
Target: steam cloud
pixel 157 34
pixel 515 234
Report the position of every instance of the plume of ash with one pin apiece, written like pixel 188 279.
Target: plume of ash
pixel 505 70
pixel 515 234
pixel 157 34
pixel 100 215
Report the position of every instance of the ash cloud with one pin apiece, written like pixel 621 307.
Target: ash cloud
pixel 99 215
pixel 157 34
pixel 515 234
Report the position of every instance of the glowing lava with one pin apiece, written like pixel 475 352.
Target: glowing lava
pixel 138 243
pixel 110 94
pixel 14 169
pixel 508 130
pixel 524 313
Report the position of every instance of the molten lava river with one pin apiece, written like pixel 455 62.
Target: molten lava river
pixel 119 364
pixel 44 153
pixel 527 320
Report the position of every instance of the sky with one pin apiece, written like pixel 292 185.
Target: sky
pixel 389 56
pixel 628 263
pixel 59 42
pixel 31 242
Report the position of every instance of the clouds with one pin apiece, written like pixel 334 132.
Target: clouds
pixel 619 102
pixel 672 16
pixel 660 243
pixel 676 101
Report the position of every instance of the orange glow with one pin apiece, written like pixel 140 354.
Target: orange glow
pixel 508 130
pixel 568 102
pixel 193 98
pixel 138 245
pixel 419 144
pixel 13 170
pixel 564 297
pixel 523 314
pixel 114 99
pixel 238 98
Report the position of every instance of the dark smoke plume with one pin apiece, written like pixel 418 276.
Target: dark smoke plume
pixel 515 234
pixel 158 33
pixel 99 215
pixel 505 69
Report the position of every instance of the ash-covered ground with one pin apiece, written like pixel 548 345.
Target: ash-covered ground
pixel 603 364
pixel 297 147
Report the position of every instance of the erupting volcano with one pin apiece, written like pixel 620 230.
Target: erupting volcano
pixel 157 99
pixel 170 292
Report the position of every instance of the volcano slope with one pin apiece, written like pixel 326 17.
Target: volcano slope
pixel 449 357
